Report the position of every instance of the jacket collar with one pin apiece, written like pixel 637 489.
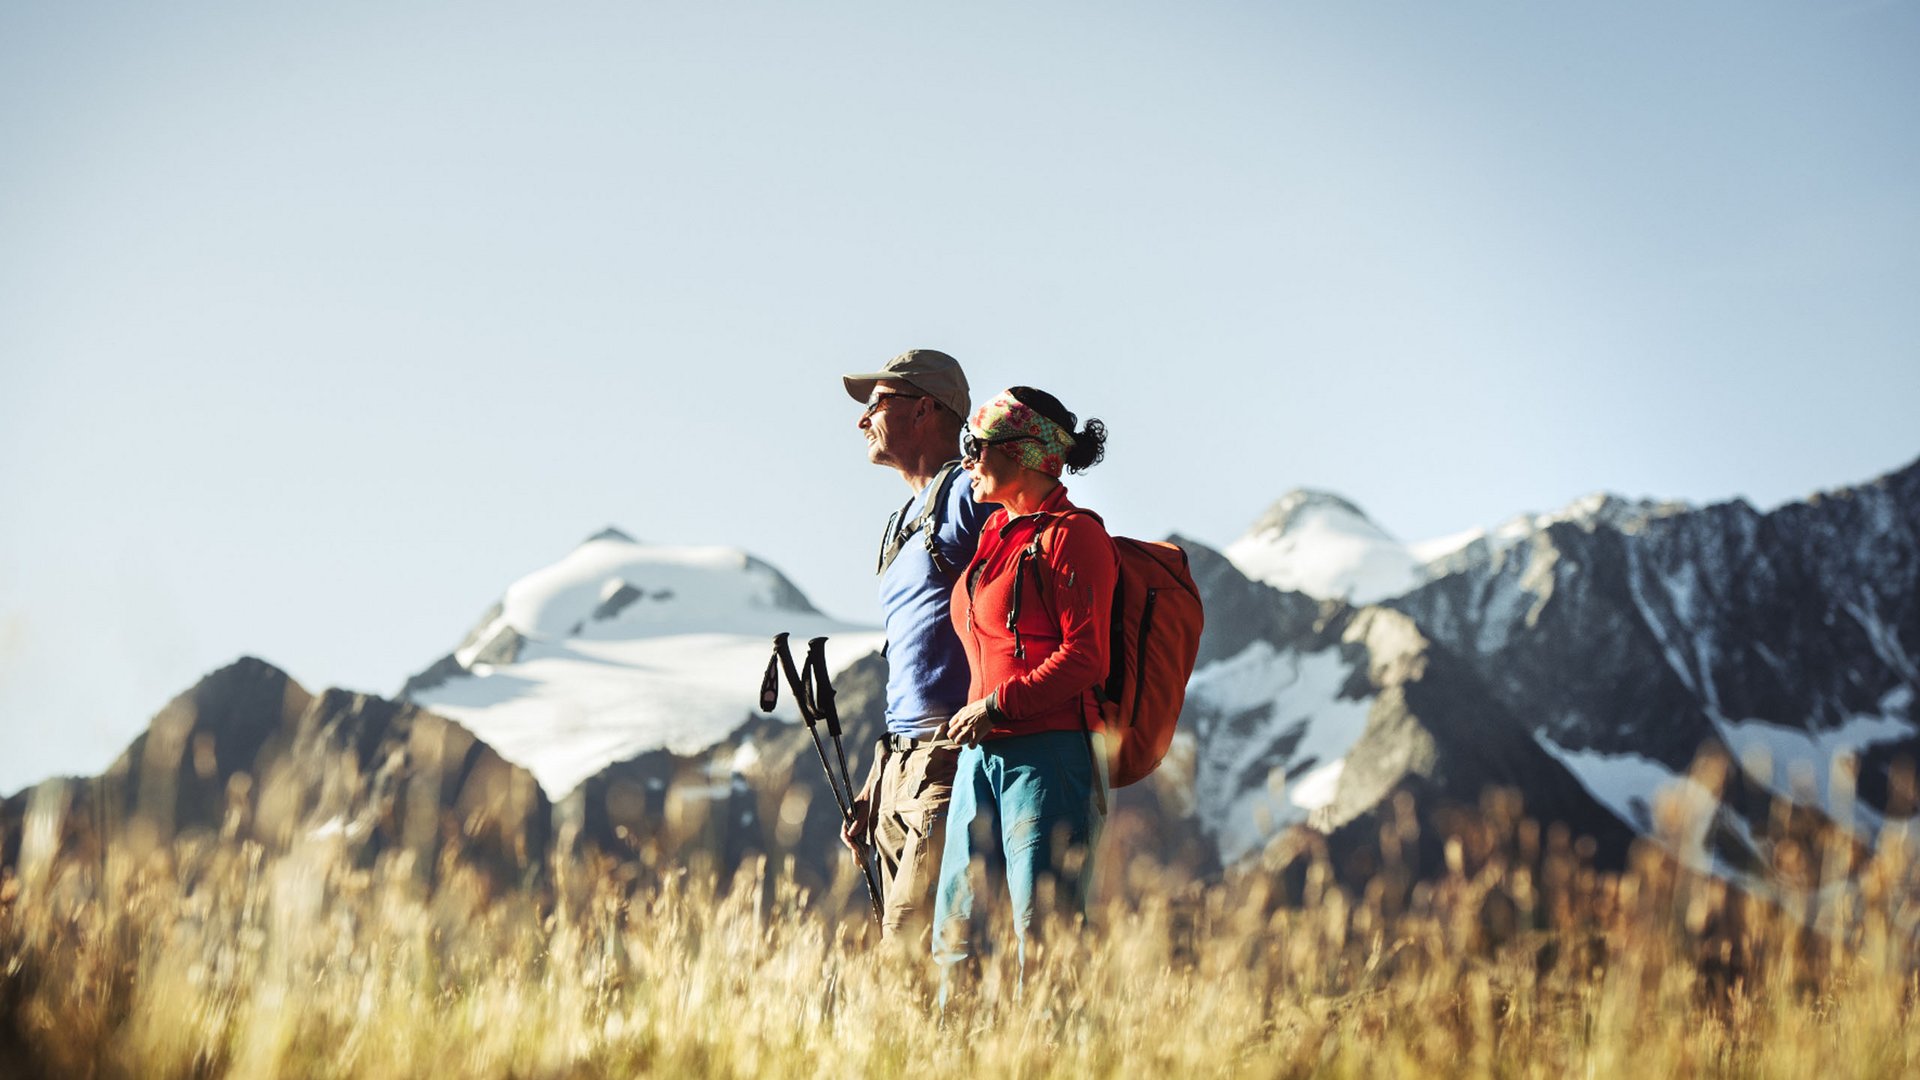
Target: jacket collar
pixel 1054 503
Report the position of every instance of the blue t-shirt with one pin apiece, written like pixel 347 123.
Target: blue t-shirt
pixel 926 667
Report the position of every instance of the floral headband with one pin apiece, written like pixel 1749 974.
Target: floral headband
pixel 1034 441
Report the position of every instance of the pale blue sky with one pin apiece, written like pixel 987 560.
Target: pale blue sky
pixel 319 324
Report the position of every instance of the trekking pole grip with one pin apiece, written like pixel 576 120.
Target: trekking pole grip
pixel 820 685
pixel 783 656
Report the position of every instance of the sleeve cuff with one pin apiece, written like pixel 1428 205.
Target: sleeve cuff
pixel 995 714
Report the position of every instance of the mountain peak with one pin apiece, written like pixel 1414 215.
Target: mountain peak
pixel 1606 508
pixel 1293 508
pixel 622 648
pixel 1320 544
pixel 610 533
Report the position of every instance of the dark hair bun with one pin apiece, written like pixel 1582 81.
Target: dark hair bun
pixel 1089 447
pixel 1089 443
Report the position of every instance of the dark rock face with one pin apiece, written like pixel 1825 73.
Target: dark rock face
pixel 616 602
pixel 502 645
pixel 1551 626
pixel 439 672
pixel 390 776
pixel 176 775
pixel 1634 634
pixel 1434 733
pixel 249 754
pixel 786 596
pixel 761 791
pixel 1619 628
pixel 1241 611
pixel 485 625
pixel 1435 740
pixel 502 648
pixel 187 773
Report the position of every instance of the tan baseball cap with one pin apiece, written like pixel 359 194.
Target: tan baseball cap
pixel 930 371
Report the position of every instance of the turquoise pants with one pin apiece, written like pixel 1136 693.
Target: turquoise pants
pixel 1024 807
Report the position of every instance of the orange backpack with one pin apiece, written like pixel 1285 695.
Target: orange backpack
pixel 1157 619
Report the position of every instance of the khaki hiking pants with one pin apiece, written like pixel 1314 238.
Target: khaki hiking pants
pixel 908 827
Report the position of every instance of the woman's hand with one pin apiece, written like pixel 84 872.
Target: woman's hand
pixel 969 725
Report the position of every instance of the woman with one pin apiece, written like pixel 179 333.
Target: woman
pixel 1032 611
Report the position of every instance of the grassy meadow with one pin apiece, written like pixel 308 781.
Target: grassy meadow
pixel 208 958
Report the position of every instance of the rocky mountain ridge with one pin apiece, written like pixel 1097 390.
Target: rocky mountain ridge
pixel 1578 661
pixel 248 754
pixel 1655 634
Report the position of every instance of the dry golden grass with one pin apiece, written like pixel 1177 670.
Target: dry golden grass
pixel 217 960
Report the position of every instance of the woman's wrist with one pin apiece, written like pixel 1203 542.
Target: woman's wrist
pixel 995 714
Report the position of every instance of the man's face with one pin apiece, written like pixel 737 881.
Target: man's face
pixel 890 420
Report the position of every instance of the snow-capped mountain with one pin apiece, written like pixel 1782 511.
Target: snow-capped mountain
pixel 1317 714
pixel 1322 545
pixel 1628 636
pixel 1582 659
pixel 1475 548
pixel 1624 638
pixel 622 648
pixel 1277 725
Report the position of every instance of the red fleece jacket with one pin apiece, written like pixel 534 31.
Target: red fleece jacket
pixel 1066 605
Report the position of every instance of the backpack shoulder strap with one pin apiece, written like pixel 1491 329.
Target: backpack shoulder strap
pixel 890 539
pixel 1032 553
pixel 932 516
pixel 1033 548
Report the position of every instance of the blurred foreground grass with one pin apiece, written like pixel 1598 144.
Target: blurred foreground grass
pixel 218 959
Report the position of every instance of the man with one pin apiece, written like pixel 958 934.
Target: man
pixel 915 406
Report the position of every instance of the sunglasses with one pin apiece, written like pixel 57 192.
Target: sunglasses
pixel 972 446
pixel 874 403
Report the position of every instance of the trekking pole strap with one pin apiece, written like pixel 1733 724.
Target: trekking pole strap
pixel 770 685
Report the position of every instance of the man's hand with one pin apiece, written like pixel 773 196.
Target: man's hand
pixel 967 726
pixel 854 831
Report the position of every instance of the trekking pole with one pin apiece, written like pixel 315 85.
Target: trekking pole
pixel 783 657
pixel 820 691
pixel 819 687
pixel 804 696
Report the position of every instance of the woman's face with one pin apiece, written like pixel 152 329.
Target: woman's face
pixel 992 474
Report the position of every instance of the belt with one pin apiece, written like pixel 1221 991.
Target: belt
pixel 901 743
